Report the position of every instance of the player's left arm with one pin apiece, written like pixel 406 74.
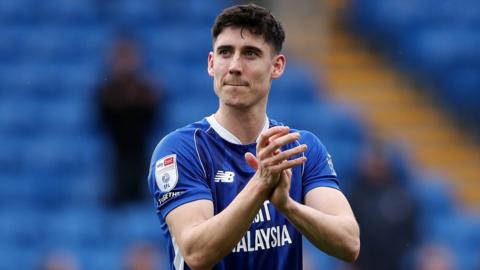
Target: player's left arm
pixel 326 219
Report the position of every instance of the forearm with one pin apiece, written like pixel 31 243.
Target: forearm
pixel 337 235
pixel 208 242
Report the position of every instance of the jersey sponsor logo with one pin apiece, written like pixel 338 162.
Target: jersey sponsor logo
pixel 264 238
pixel 168 161
pixel 166 174
pixel 224 176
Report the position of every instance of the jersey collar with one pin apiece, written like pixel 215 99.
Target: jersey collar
pixel 227 135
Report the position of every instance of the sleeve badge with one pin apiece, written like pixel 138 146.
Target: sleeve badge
pixel 166 173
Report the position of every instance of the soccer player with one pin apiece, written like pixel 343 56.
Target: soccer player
pixel 236 190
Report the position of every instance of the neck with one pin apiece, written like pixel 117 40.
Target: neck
pixel 246 125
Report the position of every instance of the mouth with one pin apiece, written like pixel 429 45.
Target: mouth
pixel 236 84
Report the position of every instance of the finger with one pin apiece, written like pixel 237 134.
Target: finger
pixel 277 135
pixel 286 177
pixel 276 144
pixel 251 160
pixel 287 164
pixel 265 135
pixel 288 172
pixel 285 155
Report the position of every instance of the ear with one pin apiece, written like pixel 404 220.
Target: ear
pixel 210 64
pixel 279 62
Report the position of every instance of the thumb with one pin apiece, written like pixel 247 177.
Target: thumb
pixel 251 160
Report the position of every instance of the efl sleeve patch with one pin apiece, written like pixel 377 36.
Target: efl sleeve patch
pixel 166 173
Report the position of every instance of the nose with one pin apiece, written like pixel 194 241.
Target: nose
pixel 235 67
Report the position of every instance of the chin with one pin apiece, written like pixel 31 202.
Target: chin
pixel 236 104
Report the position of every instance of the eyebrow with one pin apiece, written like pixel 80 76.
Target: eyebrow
pixel 246 48
pixel 224 47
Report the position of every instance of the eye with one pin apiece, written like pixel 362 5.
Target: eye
pixel 251 53
pixel 223 52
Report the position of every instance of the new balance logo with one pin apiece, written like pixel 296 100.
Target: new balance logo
pixel 225 177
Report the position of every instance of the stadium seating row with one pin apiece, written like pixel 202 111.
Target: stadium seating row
pixel 54 160
pixel 433 40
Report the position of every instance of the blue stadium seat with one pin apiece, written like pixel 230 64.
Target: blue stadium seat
pixel 18 11
pixel 436 51
pixel 76 227
pixel 16 190
pixel 20 226
pixel 174 44
pixel 14 257
pixel 11 41
pixel 460 93
pixel 43 82
pixel 324 120
pixel 432 41
pixel 131 13
pixel 434 198
pixel 101 257
pixel 35 117
pixel 63 43
pixel 297 85
pixel 64 11
pixel 459 232
pixel 142 223
pixel 186 83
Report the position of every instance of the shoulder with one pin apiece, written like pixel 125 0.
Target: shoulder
pixel 182 140
pixel 315 148
pixel 306 137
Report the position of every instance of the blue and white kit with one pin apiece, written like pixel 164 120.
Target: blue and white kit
pixel 204 161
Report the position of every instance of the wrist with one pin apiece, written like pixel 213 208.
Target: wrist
pixel 260 188
pixel 288 207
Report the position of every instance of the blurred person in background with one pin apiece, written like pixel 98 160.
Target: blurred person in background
pixel 435 256
pixel 142 256
pixel 127 109
pixel 59 260
pixel 385 211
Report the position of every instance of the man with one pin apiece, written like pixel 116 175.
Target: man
pixel 237 190
pixel 385 209
pixel 127 108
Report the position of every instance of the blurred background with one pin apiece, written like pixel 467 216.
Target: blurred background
pixel 88 87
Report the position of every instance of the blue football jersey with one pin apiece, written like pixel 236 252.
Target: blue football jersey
pixel 205 161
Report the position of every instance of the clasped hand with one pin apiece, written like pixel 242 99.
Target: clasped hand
pixel 273 166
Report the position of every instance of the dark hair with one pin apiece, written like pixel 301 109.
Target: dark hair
pixel 256 19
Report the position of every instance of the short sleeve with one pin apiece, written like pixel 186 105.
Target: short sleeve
pixel 318 170
pixel 177 175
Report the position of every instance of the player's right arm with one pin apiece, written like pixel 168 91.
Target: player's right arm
pixel 204 238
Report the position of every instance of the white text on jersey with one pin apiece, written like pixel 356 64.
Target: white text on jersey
pixel 264 238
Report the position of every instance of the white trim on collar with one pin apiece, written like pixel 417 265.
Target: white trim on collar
pixel 227 135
